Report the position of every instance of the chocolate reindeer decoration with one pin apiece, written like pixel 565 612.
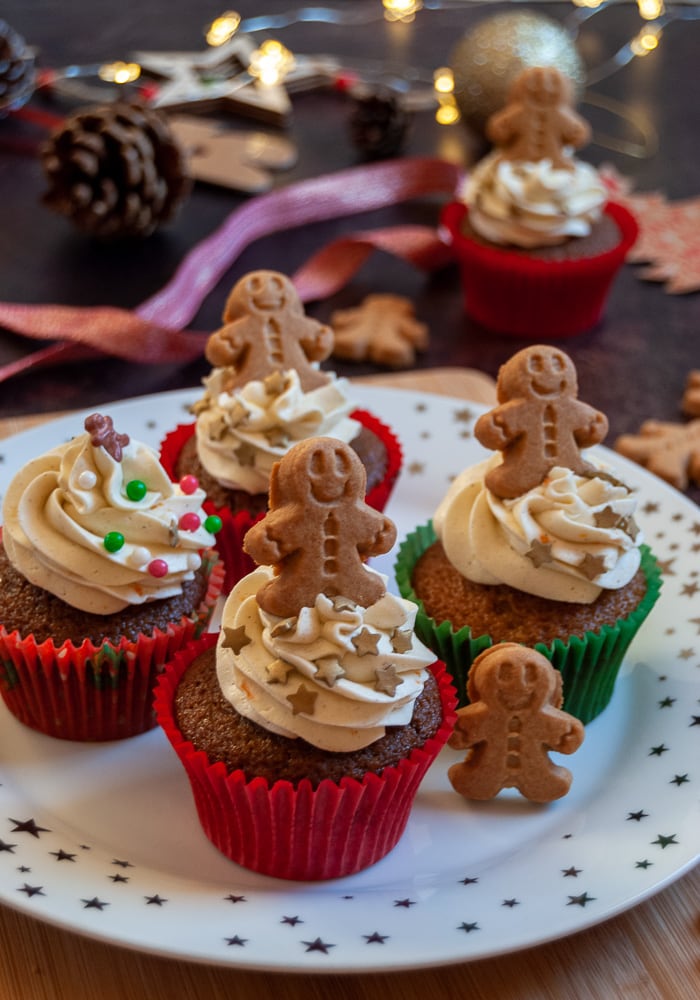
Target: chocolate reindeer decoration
pixel 538 121
pixel 539 422
pixel 102 434
pixel 318 530
pixel 266 331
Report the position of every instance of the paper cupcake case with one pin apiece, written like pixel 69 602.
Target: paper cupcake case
pixel 94 692
pixel 229 541
pixel 589 665
pixel 300 832
pixel 513 293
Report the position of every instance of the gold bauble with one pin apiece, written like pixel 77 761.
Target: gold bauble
pixel 487 59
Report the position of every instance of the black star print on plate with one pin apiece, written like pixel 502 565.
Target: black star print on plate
pixel 375 938
pixel 32 890
pixel 318 945
pixel 94 903
pixel 236 940
pixel 581 900
pixel 28 826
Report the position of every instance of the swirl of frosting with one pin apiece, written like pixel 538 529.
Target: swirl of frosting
pixel 240 435
pixel 336 675
pixel 566 540
pixel 61 507
pixel 533 205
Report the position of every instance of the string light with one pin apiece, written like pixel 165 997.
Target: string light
pixel 271 63
pixel 444 84
pixel 646 41
pixel 223 28
pixel 650 10
pixel 119 72
pixel 592 4
pixel 401 10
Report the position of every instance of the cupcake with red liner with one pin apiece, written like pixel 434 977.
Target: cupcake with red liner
pixel 537 242
pixel 537 545
pixel 264 393
pixel 108 570
pixel 306 729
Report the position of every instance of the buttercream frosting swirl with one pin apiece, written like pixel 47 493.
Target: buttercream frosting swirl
pixel 241 434
pixel 566 540
pixel 336 675
pixel 533 204
pixel 60 507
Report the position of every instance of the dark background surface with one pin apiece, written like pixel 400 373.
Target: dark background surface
pixel 633 366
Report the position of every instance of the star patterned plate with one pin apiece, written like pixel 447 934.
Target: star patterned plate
pixel 103 839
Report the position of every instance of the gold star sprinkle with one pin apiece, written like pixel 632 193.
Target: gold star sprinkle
pixel 387 680
pixel 540 553
pixel 245 454
pixel 401 642
pixel 173 534
pixel 275 383
pixel 328 669
pixel 276 437
pixel 365 642
pixel 237 414
pixel 343 604
pixel 302 701
pixel 630 527
pixel 217 429
pixel 592 566
pixel 283 627
pixel 607 518
pixel 235 638
pixel 277 671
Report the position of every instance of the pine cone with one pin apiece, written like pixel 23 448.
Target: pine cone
pixel 115 170
pixel 378 123
pixel 17 72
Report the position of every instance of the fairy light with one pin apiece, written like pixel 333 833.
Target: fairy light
pixel 119 72
pixel 444 84
pixel 650 10
pixel 401 10
pixel 646 41
pixel 223 28
pixel 591 4
pixel 271 63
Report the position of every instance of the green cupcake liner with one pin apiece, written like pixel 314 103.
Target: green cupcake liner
pixel 589 665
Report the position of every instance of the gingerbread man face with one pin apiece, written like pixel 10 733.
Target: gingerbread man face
pixel 539 423
pixel 319 530
pixel 541 86
pixel 515 682
pixel 261 292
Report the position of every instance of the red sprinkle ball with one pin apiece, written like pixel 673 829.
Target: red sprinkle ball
pixel 189 521
pixel 158 567
pixel 188 484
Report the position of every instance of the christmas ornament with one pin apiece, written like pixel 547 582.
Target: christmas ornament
pixel 239 160
pixel 378 122
pixel 489 57
pixel 115 170
pixel 17 72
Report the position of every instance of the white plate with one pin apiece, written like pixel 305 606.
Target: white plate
pixel 103 839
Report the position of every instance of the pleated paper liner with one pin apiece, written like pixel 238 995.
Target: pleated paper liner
pixel 589 665
pixel 94 692
pixel 298 831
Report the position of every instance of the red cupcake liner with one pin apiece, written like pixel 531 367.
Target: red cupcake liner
pixel 524 296
pixel 94 692
pixel 300 832
pixel 229 541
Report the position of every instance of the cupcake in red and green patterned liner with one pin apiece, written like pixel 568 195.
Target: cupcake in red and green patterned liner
pixel 264 394
pixel 558 563
pixel 537 242
pixel 108 569
pixel 307 730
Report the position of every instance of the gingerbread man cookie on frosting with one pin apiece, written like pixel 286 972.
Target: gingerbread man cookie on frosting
pixel 318 530
pixel 539 422
pixel 267 331
pixel 512 722
pixel 538 122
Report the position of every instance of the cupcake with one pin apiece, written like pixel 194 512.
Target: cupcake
pixel 264 393
pixel 537 545
pixel 108 569
pixel 537 242
pixel 306 730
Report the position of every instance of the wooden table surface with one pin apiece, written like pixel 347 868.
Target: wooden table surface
pixel 651 952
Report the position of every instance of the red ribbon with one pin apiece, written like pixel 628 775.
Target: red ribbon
pixel 155 330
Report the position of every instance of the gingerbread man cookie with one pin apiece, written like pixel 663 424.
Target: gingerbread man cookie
pixel 318 530
pixel 266 331
pixel 513 721
pixel 539 422
pixel 539 121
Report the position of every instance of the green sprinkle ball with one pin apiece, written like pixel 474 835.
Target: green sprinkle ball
pixel 136 489
pixel 213 524
pixel 113 541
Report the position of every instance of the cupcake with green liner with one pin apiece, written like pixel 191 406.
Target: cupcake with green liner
pixel 537 545
pixel 265 393
pixel 108 570
pixel 306 732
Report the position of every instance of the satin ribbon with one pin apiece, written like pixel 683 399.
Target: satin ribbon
pixel 155 331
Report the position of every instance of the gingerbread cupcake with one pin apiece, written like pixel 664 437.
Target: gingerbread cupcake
pixel 536 545
pixel 108 569
pixel 266 392
pixel 537 241
pixel 306 732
